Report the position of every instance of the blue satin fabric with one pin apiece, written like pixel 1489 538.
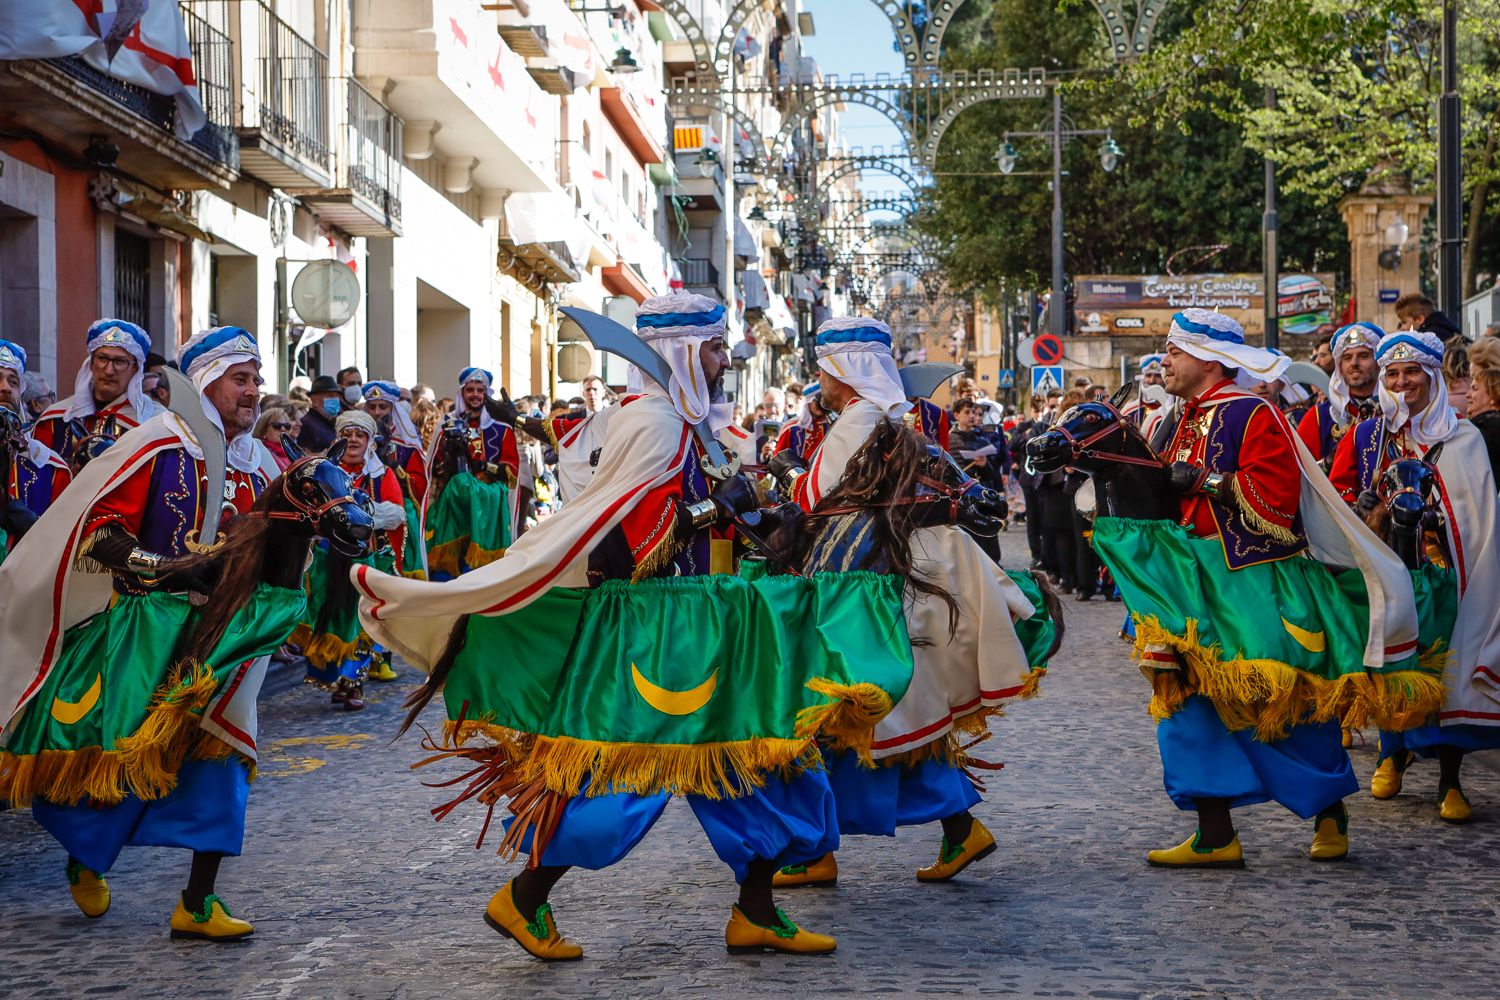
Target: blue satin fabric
pixel 786 822
pixel 205 812
pixel 876 801
pixel 1425 741
pixel 1306 772
pixel 354 670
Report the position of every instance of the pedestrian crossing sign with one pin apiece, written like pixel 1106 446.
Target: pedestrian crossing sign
pixel 1007 378
pixel 1045 378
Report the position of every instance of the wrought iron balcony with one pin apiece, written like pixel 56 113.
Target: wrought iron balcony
pixel 698 273
pixel 284 126
pixel 365 196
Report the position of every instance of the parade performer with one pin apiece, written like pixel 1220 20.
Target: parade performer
pixel 1415 420
pixel 130 707
pixel 472 500
pixel 1152 404
pixel 34 475
pixel 340 654
pixel 653 678
pixel 402 452
pixel 577 437
pixel 803 438
pixel 1351 391
pixel 967 666
pixel 1250 692
pixel 107 391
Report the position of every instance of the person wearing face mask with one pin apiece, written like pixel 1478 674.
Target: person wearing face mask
pixel 340 654
pixel 317 425
pixel 1414 420
pixel 107 390
pixel 34 475
pixel 1351 391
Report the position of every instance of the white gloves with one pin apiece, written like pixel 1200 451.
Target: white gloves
pixel 389 516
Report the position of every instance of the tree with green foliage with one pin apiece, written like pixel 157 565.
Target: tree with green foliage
pixel 1356 85
pixel 1179 190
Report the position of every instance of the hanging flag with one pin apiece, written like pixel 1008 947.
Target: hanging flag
pixel 142 42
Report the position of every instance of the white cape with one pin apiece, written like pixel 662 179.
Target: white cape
pixel 1472 671
pixel 645 446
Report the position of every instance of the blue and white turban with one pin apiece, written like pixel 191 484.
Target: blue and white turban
pixel 675 325
pixel 475 375
pixel 1437 422
pixel 13 356
pixel 1212 336
pixel 805 418
pixel 1349 337
pixel 1151 364
pixel 856 350
pixel 132 340
pixel 404 431
pixel 204 359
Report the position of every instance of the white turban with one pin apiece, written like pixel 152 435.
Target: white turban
pixel 1437 422
pixel 1351 336
pixel 675 325
pixel 1211 336
pixel 857 351
pixel 204 359
pixel 132 340
pixel 374 467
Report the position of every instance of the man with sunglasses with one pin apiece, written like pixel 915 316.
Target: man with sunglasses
pixel 108 388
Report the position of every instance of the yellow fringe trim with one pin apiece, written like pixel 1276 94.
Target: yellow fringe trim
pixel 477 557
pixel 326 650
pixel 444 558
pixel 663 552
pixel 1032 685
pixel 143 764
pixel 712 770
pixel 1270 696
pixel 848 722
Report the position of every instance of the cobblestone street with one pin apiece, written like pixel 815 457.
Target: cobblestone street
pixel 356 892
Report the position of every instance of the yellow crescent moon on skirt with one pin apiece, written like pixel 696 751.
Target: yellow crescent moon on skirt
pixel 1313 642
pixel 674 702
pixel 69 712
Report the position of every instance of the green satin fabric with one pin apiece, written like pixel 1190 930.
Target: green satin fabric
pixel 1037 632
pixel 411 550
pixel 319 585
pixel 1166 573
pixel 470 509
pixel 131 649
pixel 563 665
pixel 1436 590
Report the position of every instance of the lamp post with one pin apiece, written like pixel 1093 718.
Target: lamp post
pixel 1450 175
pixel 1270 263
pixel 1110 155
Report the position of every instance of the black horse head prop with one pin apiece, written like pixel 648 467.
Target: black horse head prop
pixel 1096 438
pixel 1409 505
pixel 322 497
pixel 978 508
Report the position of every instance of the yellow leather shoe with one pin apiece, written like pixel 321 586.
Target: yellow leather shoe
pixel 539 936
pixel 381 670
pixel 213 923
pixel 744 936
pixel 824 871
pixel 1189 855
pixel 1348 742
pixel 1453 806
pixel 90 890
pixel 1385 783
pixel 952 860
pixel 1330 836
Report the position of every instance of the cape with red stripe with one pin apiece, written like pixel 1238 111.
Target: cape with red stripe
pixel 644 447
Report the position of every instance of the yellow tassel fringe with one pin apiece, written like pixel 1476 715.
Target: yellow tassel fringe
pixel 143 764
pixel 326 650
pixel 1270 696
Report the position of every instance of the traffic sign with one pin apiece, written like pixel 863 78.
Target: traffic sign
pixel 325 293
pixel 1047 349
pixel 1045 378
pixel 1023 351
pixel 1007 378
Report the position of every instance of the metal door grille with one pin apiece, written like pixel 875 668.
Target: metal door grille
pixel 132 278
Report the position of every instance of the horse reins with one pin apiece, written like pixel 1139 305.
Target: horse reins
pixel 301 510
pixel 1081 447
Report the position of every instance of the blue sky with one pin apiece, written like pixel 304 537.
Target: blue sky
pixel 853 36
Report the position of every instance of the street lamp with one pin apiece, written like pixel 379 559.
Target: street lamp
pixel 707 161
pixel 1110 154
pixel 1005 157
pixel 624 62
pixel 1395 241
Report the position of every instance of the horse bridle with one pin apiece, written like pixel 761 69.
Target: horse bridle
pixel 1082 447
pixel 302 511
pixel 942 493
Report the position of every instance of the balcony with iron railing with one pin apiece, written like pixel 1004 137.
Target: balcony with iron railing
pixel 284 106
pixel 69 101
pixel 699 275
pixel 364 198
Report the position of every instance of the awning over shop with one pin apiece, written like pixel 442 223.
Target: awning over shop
pixel 744 243
pixel 622 279
pixel 754 294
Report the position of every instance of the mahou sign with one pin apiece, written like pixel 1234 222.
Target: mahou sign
pixel 1142 304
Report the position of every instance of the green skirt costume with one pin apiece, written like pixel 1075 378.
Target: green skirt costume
pixel 338 648
pixel 468 526
pixel 1271 645
pixel 119 712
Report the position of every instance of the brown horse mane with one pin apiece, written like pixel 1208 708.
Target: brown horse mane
pixel 241 560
